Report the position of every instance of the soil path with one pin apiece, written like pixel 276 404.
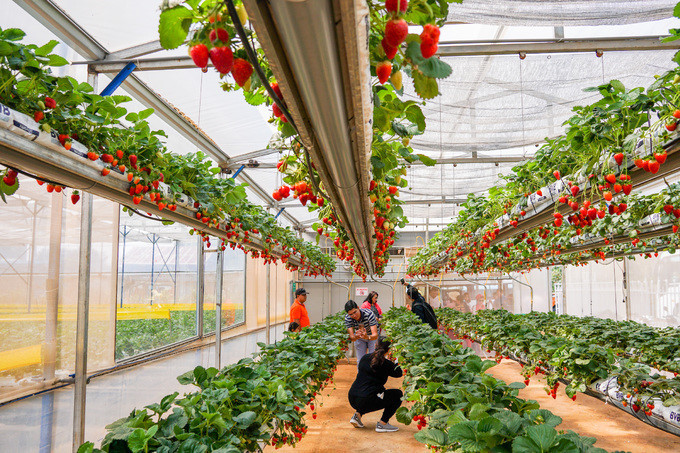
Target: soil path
pixel 589 416
pixel 332 432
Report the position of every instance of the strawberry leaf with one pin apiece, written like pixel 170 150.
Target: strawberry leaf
pixel 426 87
pixel 427 161
pixel 173 27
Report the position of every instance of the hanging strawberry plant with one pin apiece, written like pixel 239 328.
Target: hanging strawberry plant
pixel 70 117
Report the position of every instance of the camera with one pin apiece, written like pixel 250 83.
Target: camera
pixel 403 282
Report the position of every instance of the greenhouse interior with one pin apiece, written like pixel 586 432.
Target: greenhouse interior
pixel 254 225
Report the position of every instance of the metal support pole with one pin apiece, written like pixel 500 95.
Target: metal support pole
pixel 236 173
pixel 477 283
pixel 119 79
pixel 200 287
pixel 218 308
pixel 626 287
pixel 82 321
pixel 174 299
pixel 564 290
pixel 52 287
pixel 153 262
pixel 279 213
pixel 267 293
pixel 30 265
pixel 122 266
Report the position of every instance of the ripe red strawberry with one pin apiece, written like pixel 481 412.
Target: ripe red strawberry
pixel 9 180
pixel 539 192
pixel 133 160
pixel 430 31
pixel 622 207
pixel 219 33
pixel 392 190
pixel 38 115
pixel 396 6
pixel 390 51
pixel 607 196
pixel 241 71
pixel 319 230
pixel 277 195
pixel 383 71
pixel 277 111
pixel 610 178
pixel 617 188
pixel 676 114
pixel 639 163
pixel 75 197
pixel 277 90
pixel 50 103
pixel 556 174
pixel 627 188
pixel 574 190
pixel 108 158
pixel 671 127
pixel 222 58
pixel 67 145
pixel 618 157
pixel 199 53
pixel 106 171
pixel 50 188
pixel 372 185
pixel 654 167
pixel 660 157
pixel 396 31
pixel 675 228
pixel 428 49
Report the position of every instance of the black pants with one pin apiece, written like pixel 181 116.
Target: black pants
pixel 390 402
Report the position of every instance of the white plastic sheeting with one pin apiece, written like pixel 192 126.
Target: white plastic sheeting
pixel 560 12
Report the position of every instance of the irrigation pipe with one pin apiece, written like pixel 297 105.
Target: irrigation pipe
pixel 531 288
pixel 338 284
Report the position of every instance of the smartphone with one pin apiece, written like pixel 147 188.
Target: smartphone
pixel 402 281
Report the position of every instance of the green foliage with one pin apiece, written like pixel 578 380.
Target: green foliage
pixel 260 400
pixel 466 410
pixel 580 350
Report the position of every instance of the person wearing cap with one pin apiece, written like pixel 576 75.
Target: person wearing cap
pixel 298 311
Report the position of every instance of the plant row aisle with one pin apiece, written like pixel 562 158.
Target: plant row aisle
pixel 630 364
pixel 243 407
pixel 459 407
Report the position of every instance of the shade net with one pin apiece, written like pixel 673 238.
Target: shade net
pixel 560 12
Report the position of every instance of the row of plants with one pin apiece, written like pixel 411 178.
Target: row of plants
pixel 207 29
pixel 460 408
pixel 585 177
pixel 243 407
pixel 580 351
pixel 100 129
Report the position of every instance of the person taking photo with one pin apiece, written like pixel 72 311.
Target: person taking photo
pixel 368 392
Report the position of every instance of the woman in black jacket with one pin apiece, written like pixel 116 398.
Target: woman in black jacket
pixel 368 393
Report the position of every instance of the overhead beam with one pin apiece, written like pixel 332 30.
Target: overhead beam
pixel 252 155
pixel 136 51
pixel 474 48
pixel 64 27
pixel 473 160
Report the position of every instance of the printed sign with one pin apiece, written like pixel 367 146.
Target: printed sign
pixel 363 292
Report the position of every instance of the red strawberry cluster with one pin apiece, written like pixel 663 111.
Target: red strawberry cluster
pixel 653 163
pixel 275 108
pixel 422 422
pixel 396 30
pixel 429 40
pixel 10 178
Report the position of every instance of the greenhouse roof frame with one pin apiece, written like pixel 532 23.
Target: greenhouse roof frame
pixel 61 24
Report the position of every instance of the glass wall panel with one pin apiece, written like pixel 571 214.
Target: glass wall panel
pixel 655 290
pixel 157 279
pixel 234 287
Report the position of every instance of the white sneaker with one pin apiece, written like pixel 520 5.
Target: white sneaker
pixel 385 427
pixel 356 421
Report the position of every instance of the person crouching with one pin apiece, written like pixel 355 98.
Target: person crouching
pixel 368 393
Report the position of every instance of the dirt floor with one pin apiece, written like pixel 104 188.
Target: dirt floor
pixel 588 416
pixel 332 432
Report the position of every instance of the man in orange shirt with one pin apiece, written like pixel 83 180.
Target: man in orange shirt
pixel 298 311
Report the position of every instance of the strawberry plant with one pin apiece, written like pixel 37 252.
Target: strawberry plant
pixel 124 142
pixel 577 350
pixel 460 408
pixel 244 406
pixel 394 52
